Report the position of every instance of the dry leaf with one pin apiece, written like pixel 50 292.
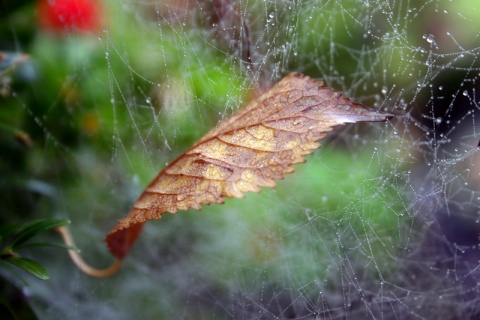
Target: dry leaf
pixel 250 149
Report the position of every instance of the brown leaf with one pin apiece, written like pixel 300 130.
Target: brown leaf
pixel 250 149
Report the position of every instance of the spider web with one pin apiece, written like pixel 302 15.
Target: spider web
pixel 381 223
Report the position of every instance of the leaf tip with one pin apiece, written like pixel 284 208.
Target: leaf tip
pixel 380 116
pixel 361 113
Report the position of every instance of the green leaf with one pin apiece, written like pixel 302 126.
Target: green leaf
pixel 30 266
pixel 33 228
pixel 8 229
pixel 48 244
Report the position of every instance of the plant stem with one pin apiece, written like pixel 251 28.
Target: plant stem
pixel 80 263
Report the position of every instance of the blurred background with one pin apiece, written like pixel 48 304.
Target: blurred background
pixel 96 97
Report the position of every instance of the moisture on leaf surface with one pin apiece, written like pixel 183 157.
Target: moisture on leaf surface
pixel 252 148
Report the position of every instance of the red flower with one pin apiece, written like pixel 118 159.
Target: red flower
pixel 63 16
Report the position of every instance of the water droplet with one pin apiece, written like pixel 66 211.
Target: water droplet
pixel 465 93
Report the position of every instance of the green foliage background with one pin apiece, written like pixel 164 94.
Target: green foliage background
pixel 88 120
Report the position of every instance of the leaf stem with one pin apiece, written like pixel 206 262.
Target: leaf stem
pixel 80 263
